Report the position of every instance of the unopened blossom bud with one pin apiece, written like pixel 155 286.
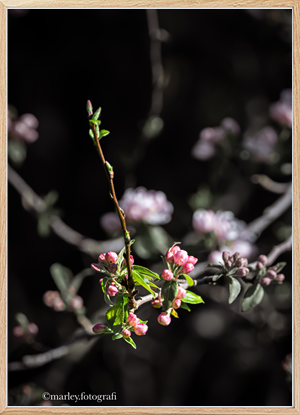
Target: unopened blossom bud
pixel 181 293
pixel 112 268
pixel 89 107
pixel 241 262
pixel 263 259
pixel 237 255
pixel 192 260
pixel 181 257
pixel 99 328
pixel 18 331
pixel 242 272
pixel 188 267
pixel 271 274
pixel 175 249
pixel 131 260
pixel 101 258
pixel 176 303
pixel 48 297
pixel 167 275
pixel 225 256
pixel 33 329
pixel 170 257
pixel 259 265
pixel 141 329
pixel 58 304
pixel 111 257
pixel 77 302
pixel 112 290
pixel 280 278
pixel 164 319
pixel 132 320
pixel 266 281
pixel 101 279
pixel 228 264
pixel 126 333
pixel 156 303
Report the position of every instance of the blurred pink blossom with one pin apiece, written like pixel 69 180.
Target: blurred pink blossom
pixel 261 144
pixel 24 127
pixel 281 111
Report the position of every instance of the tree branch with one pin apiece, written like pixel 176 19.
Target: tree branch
pixel 267 183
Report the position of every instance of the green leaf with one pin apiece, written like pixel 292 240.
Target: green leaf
pixel 232 272
pixel 103 133
pixel 160 239
pixel 253 297
pixel 22 320
pixel 96 114
pixel 192 298
pixel 95 122
pixel 142 321
pixel 185 306
pixel 91 134
pixel 130 341
pixel 280 266
pixel 190 281
pixel 113 314
pixel 62 277
pixel 168 293
pixel 120 313
pixel 141 280
pixel 146 271
pixel 234 289
pixel 100 268
pixel 215 266
pixel 217 277
pixel 262 272
pixel 117 336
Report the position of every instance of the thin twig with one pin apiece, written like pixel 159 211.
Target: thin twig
pixel 267 183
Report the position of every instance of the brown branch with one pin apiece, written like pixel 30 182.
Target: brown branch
pixel 129 284
pixel 59 227
pixel 267 183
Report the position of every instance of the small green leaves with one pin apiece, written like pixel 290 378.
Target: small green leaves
pixel 143 281
pixel 185 306
pixel 103 133
pixel 94 122
pixel 191 298
pixel 113 317
pixel 218 266
pixel 145 271
pixel 130 341
pixel 91 134
pixel 190 281
pixel 217 277
pixel 97 114
pixel 234 289
pixel 280 266
pixel 168 293
pixel 253 297
pixel 117 336
pixel 109 167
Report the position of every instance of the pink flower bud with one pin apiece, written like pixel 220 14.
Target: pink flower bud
pixel 141 329
pixel 131 260
pixel 99 328
pixel 101 279
pixel 271 274
pixel 167 275
pixel 263 259
pixel 259 265
pixel 58 304
pixel 112 268
pixel 112 290
pixel 188 267
pixel 181 257
pixel 101 258
pixel 241 262
pixel 164 319
pixel 170 257
pixel 156 303
pixel 245 262
pixel 132 320
pixel 237 255
pixel 176 303
pixel 18 331
pixel 77 302
pixel 266 281
pixel 242 272
pixel 126 333
pixel 226 256
pixel 49 297
pixel 228 264
pixel 181 293
pixel 175 249
pixel 274 268
pixel 33 329
pixel 192 260
pixel 280 278
pixel 111 257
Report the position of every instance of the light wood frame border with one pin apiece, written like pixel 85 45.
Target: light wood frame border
pixel 295 5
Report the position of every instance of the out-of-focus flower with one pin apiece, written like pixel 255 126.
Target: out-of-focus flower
pixel 126 333
pixel 140 329
pixel 204 221
pixel 261 144
pixel 77 302
pixel 132 320
pixel 245 248
pixel 140 204
pixel 281 111
pixel 230 125
pixel 24 128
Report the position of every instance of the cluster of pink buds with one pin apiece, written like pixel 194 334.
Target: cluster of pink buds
pixel 180 263
pixel 236 261
pixel 30 332
pixel 53 299
pixel 135 325
pixel 164 318
pixel 271 274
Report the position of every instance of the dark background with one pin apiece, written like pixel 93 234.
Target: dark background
pixel 218 62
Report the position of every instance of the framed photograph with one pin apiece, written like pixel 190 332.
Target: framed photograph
pixel 150 207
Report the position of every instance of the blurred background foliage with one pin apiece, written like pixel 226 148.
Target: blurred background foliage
pixel 216 64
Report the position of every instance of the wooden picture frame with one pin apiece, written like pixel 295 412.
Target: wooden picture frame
pixel 295 5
